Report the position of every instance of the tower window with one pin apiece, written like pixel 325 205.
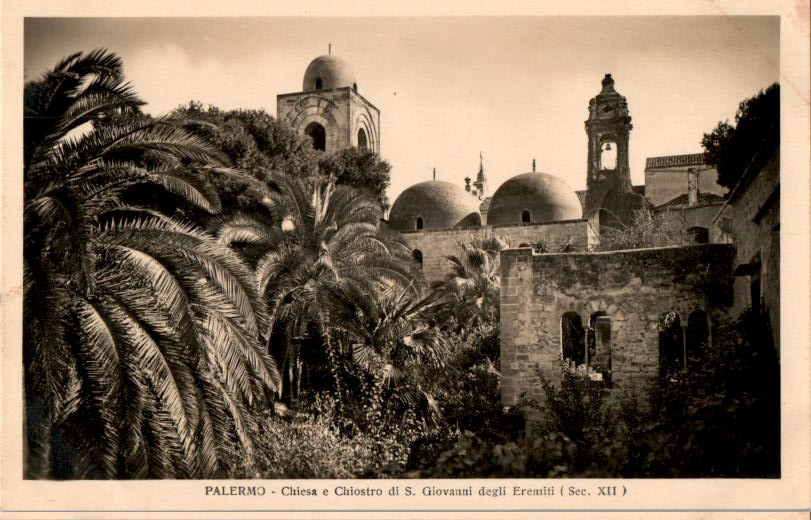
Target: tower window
pixel 318 84
pixel 526 217
pixel 608 155
pixel 420 223
pixel 318 135
pixel 362 143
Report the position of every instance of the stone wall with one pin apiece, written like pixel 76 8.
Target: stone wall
pixel 754 219
pixel 437 244
pixel 632 287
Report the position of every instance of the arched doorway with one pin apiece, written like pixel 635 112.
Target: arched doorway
pixel 318 135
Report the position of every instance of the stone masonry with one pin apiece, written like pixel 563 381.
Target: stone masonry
pixel 437 244
pixel 634 288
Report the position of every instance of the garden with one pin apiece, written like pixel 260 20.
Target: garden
pixel 206 295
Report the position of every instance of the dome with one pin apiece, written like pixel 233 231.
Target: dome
pixel 433 205
pixel 533 197
pixel 332 71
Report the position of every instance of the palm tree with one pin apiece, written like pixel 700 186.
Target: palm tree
pixel 394 342
pixel 320 240
pixel 470 291
pixel 142 347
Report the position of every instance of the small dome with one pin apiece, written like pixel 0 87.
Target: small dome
pixel 533 197
pixel 328 71
pixel 433 205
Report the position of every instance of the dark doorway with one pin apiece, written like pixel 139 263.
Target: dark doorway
pixel 318 135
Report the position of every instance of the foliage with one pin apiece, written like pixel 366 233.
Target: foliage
pixel 393 346
pixel 253 141
pixel 647 229
pixel 361 169
pixel 320 246
pixel 720 418
pixel 141 349
pixel 750 142
pixel 311 445
pixel 256 142
pixel 469 294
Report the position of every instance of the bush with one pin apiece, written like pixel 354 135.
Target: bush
pixel 309 444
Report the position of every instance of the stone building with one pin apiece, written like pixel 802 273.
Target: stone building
pixel 551 303
pixel 672 176
pixel 751 217
pixel 330 109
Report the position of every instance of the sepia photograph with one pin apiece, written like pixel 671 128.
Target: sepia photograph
pixel 417 249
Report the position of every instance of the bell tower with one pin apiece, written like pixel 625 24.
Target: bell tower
pixel 330 109
pixel 609 194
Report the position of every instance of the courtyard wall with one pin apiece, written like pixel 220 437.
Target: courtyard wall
pixel 634 288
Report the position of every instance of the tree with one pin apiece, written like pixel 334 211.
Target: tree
pixel 393 343
pixel 253 141
pixel 750 142
pixel 361 169
pixel 470 291
pixel 320 240
pixel 142 349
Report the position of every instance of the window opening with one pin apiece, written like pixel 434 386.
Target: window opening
pixel 420 223
pixel 362 143
pixel 417 254
pixel 672 349
pixel 572 338
pixel 318 84
pixel 526 217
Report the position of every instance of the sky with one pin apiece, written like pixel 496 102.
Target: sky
pixel 513 88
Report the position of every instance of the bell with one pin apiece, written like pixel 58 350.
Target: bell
pixel 608 146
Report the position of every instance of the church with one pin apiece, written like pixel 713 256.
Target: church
pixel 628 316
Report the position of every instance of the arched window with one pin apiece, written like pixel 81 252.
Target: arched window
pixel 318 84
pixel 417 254
pixel 318 135
pixel 671 344
pixel 526 218
pixel 698 335
pixel 362 143
pixel 420 223
pixel 598 341
pixel 572 338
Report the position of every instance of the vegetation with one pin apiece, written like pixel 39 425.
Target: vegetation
pixel 143 335
pixel 748 143
pixel 647 229
pixel 207 296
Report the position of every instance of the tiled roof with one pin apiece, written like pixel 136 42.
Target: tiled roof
pixel 672 161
